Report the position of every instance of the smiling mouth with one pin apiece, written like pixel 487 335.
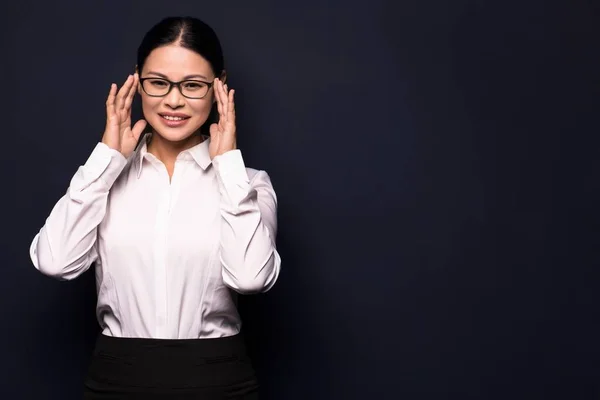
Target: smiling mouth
pixel 171 118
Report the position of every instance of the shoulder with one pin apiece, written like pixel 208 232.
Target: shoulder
pixel 254 173
pixel 233 163
pixel 259 176
pixel 261 182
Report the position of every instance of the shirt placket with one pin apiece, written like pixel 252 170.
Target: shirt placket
pixel 161 255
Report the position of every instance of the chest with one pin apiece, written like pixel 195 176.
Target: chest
pixel 152 218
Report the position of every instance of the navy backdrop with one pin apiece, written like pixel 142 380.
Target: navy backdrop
pixel 437 172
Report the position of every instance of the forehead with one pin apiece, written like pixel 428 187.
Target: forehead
pixel 176 62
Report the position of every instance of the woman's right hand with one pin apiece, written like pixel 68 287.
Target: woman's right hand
pixel 118 134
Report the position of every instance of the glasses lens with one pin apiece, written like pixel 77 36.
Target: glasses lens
pixel 156 86
pixel 194 89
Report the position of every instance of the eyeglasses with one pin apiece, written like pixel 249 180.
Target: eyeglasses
pixel 159 87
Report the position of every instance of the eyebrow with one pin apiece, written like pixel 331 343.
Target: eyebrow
pixel 184 78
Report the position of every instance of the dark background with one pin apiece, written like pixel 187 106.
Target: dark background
pixel 436 164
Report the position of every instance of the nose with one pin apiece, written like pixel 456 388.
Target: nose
pixel 174 99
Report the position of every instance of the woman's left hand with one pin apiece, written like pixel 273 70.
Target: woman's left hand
pixel 222 134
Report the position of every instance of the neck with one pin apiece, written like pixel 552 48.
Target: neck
pixel 167 151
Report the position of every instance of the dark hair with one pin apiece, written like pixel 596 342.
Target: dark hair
pixel 190 33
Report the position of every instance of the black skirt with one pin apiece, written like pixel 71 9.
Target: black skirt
pixel 199 369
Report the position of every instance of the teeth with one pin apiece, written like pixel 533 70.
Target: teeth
pixel 168 117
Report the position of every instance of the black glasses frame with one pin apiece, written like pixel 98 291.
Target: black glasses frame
pixel 178 84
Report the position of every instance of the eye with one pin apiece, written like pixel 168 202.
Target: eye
pixel 158 83
pixel 194 85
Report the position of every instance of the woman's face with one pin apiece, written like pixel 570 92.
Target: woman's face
pixel 173 116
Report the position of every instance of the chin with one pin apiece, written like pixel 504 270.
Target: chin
pixel 173 135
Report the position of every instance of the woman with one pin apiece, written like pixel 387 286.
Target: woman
pixel 175 224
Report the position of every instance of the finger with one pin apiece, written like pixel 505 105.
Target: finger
pixel 224 100
pixel 231 106
pixel 110 100
pixel 122 93
pixel 119 98
pixel 214 132
pixel 132 91
pixel 138 128
pixel 111 113
pixel 218 96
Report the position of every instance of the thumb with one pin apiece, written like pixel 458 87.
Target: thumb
pixel 138 128
pixel 214 132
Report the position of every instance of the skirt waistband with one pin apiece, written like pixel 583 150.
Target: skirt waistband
pixel 173 348
pixel 204 364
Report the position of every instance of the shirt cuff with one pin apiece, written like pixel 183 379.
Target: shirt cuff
pixel 103 164
pixel 233 181
pixel 230 167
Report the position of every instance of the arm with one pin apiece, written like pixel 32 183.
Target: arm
pixel 65 246
pixel 248 254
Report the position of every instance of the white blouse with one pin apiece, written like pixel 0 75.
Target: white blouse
pixel 170 255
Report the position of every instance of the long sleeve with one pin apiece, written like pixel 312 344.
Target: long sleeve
pixel 65 247
pixel 249 257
